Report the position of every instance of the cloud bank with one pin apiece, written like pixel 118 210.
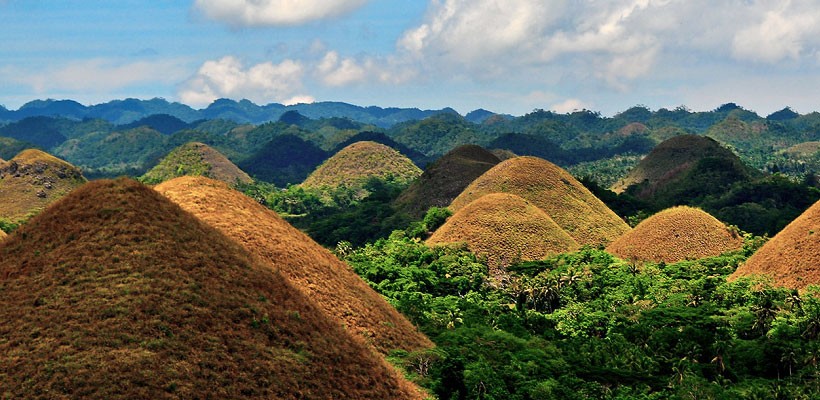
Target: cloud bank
pixel 254 13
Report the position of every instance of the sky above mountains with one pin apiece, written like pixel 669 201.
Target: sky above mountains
pixel 508 56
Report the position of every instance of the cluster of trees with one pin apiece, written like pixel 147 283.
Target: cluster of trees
pixel 587 325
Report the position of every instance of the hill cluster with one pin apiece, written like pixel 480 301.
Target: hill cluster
pixel 504 229
pixel 675 234
pixel 572 206
pixel 792 257
pixel 116 292
pixel 196 159
pixel 312 269
pixel 32 180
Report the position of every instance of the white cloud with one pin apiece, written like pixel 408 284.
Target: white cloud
pixel 335 71
pixel 568 106
pixel 781 34
pixel 248 13
pixel 96 75
pixel 261 83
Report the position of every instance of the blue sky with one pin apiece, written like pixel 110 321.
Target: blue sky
pixel 508 56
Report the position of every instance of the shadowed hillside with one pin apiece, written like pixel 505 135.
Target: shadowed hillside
pixel 792 257
pixel 444 179
pixel 332 284
pixel 286 159
pixel 505 229
pixel 684 167
pixel 358 162
pixel 553 190
pixel 116 292
pixel 196 159
pixel 675 234
pixel 33 179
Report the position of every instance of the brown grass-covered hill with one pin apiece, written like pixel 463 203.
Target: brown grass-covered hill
pixel 582 215
pixel 792 257
pixel 116 292
pixel 2 235
pixel 360 161
pixel 197 159
pixel 503 154
pixel 444 179
pixel 675 234
pixel 33 179
pixel 334 286
pixel 678 163
pixel 800 150
pixel 505 229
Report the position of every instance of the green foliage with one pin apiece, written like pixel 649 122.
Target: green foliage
pixel 8 226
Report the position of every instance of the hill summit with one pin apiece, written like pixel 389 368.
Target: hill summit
pixel 444 179
pixel 197 159
pixel 337 290
pixel 552 189
pixel 360 161
pixel 792 257
pixel 32 180
pixel 675 234
pixel 116 292
pixel 505 229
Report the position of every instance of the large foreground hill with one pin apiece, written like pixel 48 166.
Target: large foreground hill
pixel 116 292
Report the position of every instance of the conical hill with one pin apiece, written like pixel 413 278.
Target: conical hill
pixel 684 166
pixel 116 292
pixel 32 180
pixel 505 229
pixel 197 159
pixel 337 290
pixel 444 179
pixel 675 234
pixel 360 161
pixel 792 257
pixel 582 215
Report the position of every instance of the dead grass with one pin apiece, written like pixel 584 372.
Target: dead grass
pixel 505 229
pixel 582 215
pixel 32 180
pixel 116 292
pixel 360 161
pixel 196 159
pixel 444 179
pixel 805 149
pixel 675 234
pixel 792 257
pixel 332 284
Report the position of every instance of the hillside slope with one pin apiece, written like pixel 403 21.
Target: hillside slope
pixel 552 189
pixel 675 234
pixel 444 179
pixel 334 286
pixel 195 159
pixel 116 292
pixel 792 257
pixel 505 229
pixel 32 180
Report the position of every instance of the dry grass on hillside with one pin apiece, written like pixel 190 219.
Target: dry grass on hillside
pixel 444 179
pixel 792 257
pixel 2 235
pixel 675 234
pixel 32 180
pixel 805 149
pixel 116 292
pixel 503 154
pixel 311 268
pixel 196 159
pixel 360 161
pixel 505 229
pixel 582 215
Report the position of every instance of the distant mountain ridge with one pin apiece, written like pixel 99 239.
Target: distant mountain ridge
pixel 127 111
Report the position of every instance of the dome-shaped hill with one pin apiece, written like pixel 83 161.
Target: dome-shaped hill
pixel 360 161
pixel 505 228
pixel 116 292
pixel 582 215
pixel 676 168
pixel 675 234
pixel 503 154
pixel 792 257
pixel 445 179
pixel 315 271
pixel 197 159
pixel 286 159
pixel 32 180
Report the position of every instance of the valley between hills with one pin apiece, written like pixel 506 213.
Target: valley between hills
pixel 326 250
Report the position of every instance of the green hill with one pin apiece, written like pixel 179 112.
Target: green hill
pixel 195 159
pixel 286 159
